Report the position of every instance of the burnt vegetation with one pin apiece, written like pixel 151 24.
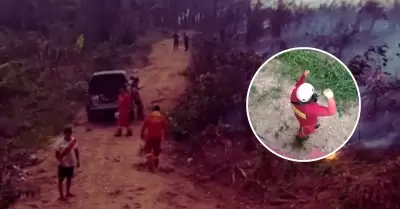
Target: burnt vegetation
pixel 44 65
pixel 221 146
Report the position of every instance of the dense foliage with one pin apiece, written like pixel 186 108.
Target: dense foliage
pixel 219 79
pixel 48 49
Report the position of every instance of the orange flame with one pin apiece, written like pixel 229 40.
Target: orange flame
pixel 331 156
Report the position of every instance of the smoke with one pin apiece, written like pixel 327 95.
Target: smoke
pixel 380 143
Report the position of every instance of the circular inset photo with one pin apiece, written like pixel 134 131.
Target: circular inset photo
pixel 303 104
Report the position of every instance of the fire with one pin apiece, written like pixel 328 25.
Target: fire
pixel 331 156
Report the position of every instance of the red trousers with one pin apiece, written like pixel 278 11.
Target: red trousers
pixel 123 119
pixel 152 147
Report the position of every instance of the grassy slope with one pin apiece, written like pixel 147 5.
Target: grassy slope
pixel 325 73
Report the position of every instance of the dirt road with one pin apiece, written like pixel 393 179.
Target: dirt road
pixel 108 178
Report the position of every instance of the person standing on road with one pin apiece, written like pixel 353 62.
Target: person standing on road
pixel 307 110
pixel 80 43
pixel 155 128
pixel 67 155
pixel 124 112
pixel 176 41
pixel 186 41
pixel 134 88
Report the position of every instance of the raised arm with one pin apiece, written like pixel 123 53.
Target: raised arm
pixel 331 109
pixel 327 111
pixel 302 78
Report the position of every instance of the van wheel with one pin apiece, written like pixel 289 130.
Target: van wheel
pixel 91 117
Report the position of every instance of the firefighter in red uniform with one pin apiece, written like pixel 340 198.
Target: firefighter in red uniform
pixel 306 108
pixel 124 109
pixel 155 129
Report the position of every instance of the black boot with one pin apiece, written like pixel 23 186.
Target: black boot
pixel 118 133
pixel 129 132
pixel 302 138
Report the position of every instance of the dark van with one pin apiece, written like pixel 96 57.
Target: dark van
pixel 103 93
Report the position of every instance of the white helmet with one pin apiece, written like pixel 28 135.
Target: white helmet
pixel 304 92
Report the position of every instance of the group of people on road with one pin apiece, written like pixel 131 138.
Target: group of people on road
pixel 153 132
pixel 154 126
pixel 185 41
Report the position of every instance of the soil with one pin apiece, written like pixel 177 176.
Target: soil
pixel 273 119
pixel 109 176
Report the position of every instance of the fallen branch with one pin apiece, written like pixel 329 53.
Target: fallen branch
pixel 241 171
pixel 233 169
pixel 297 197
pixel 212 176
pixel 276 201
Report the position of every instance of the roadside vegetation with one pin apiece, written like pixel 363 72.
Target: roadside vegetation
pixel 220 149
pixel 44 67
pixel 223 149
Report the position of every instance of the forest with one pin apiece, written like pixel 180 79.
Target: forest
pixel 49 48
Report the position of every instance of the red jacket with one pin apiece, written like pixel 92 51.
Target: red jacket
pixel 307 114
pixel 155 125
pixel 124 102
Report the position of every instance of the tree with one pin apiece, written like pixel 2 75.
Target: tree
pixel 373 10
pixel 255 19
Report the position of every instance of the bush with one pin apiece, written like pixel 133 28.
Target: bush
pixel 325 73
pixel 219 79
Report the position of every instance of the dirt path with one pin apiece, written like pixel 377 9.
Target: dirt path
pixel 273 119
pixel 107 178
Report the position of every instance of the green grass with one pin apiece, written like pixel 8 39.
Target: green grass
pixel 325 72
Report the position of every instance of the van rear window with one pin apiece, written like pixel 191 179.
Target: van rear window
pixel 108 82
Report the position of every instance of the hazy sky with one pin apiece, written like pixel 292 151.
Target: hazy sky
pixel 318 2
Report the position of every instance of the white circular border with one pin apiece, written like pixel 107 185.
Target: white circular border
pixel 313 49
